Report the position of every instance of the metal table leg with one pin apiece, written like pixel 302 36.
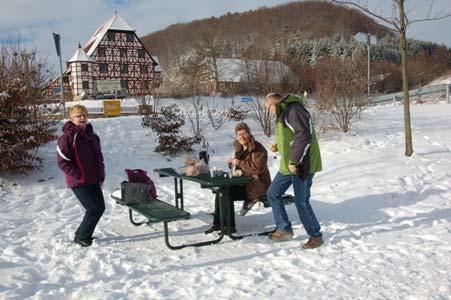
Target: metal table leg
pixel 199 244
pixel 178 186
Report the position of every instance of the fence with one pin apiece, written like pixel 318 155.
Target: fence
pixel 398 97
pixel 124 110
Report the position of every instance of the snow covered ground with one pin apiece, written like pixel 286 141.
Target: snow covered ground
pixel 386 219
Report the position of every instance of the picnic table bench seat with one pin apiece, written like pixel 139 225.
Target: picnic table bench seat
pixel 159 211
pixel 287 199
pixel 155 211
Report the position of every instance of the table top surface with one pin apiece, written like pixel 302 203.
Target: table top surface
pixel 205 179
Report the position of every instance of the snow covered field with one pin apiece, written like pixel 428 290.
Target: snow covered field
pixel 386 219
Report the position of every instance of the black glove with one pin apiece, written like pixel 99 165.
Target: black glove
pixel 302 171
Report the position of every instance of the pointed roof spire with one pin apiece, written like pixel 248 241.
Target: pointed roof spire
pixel 80 55
pixel 117 23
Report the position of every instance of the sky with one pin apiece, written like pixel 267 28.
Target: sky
pixel 35 21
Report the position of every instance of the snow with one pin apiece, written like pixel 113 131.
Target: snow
pixel 386 220
pixel 445 79
pixel 234 70
pixel 4 96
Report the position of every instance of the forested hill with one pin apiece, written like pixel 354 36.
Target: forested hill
pixel 314 19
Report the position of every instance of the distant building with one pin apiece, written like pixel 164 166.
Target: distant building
pixel 113 62
pixel 222 75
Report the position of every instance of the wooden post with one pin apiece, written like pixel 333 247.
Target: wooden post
pixel 394 100
pixel 448 87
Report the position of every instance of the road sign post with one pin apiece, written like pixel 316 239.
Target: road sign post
pixel 369 40
pixel 57 40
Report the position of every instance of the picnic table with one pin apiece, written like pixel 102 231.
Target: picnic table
pixel 220 185
pixel 160 211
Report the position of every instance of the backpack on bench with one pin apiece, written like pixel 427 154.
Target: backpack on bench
pixel 135 193
pixel 139 188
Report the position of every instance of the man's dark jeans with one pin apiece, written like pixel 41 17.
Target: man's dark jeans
pixel 91 197
pixel 301 190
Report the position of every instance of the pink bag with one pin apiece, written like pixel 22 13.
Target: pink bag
pixel 138 175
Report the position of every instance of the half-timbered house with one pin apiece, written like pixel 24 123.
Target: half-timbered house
pixel 113 62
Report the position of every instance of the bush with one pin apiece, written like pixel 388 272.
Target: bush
pixel 166 123
pixel 23 128
pixel 217 117
pixel 341 90
pixel 236 114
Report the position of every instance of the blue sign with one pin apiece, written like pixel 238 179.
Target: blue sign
pixel 247 99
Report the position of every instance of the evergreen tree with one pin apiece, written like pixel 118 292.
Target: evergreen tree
pixel 24 127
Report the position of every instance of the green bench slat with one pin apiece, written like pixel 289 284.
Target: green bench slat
pixel 287 199
pixel 157 211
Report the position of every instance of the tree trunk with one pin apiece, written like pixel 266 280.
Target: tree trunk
pixel 405 80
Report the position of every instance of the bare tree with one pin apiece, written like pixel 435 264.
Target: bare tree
pixel 261 115
pixel 217 117
pixel 190 69
pixel 194 118
pixel 211 50
pixel 340 90
pixel 399 22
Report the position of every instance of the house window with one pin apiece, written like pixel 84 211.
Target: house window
pixel 124 84
pixel 123 52
pixel 141 53
pixel 84 67
pixel 124 69
pixel 145 85
pixel 65 79
pixel 103 68
pixel 101 52
pixel 129 37
pixel 111 36
pixel 85 85
pixel 144 69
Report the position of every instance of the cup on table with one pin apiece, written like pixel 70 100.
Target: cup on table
pixel 213 172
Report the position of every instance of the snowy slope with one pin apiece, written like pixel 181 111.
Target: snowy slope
pixel 386 219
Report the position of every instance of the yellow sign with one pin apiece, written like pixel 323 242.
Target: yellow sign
pixel 112 108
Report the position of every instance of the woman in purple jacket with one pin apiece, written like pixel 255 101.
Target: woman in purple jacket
pixel 80 158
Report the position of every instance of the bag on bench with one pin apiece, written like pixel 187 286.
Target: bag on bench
pixel 135 193
pixel 138 175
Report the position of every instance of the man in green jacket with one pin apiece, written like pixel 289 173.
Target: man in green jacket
pixel 300 158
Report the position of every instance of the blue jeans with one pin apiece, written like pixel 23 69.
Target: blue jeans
pixel 301 188
pixel 91 197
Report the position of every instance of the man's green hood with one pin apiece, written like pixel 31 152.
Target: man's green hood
pixel 287 100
